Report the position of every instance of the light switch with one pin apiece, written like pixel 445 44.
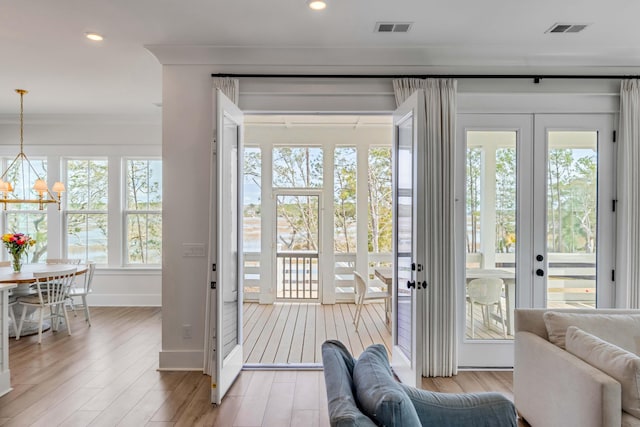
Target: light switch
pixel 193 249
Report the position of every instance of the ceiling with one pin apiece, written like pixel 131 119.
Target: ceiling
pixel 43 48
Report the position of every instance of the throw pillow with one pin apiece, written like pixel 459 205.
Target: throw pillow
pixel 616 362
pixel 380 396
pixel 338 369
pixel 622 330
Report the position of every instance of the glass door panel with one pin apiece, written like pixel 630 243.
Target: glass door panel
pixel 493 216
pixel 404 236
pixel 490 238
pixel 572 168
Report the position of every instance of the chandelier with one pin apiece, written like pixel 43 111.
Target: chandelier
pixel 18 164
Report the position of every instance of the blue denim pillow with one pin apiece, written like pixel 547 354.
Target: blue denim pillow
pixel 338 369
pixel 462 410
pixel 380 396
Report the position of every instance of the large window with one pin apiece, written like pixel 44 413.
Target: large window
pixel 25 217
pixel 87 182
pixel 143 212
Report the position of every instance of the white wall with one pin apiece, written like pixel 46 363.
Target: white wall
pixel 87 135
pixel 186 153
pixel 187 132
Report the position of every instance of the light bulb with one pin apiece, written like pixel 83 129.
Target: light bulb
pixel 317 4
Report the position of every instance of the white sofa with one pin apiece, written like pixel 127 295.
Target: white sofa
pixel 553 387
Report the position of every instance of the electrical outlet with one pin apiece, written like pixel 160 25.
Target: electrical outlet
pixel 186 332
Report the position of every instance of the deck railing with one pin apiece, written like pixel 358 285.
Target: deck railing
pixel 297 275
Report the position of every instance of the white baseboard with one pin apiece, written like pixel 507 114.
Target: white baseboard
pixel 181 360
pixel 5 382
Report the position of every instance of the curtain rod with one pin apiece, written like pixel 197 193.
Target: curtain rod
pixel 535 77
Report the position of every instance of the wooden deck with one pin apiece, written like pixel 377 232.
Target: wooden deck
pixel 292 333
pixel 494 332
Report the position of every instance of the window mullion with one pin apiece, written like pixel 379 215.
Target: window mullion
pixel 117 187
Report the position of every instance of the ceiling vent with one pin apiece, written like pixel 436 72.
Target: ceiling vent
pixel 567 28
pixel 393 27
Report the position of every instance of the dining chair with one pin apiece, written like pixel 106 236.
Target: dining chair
pixel 52 290
pixel 486 292
pixel 363 294
pixel 83 291
pixel 71 261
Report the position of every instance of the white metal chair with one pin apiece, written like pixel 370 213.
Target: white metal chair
pixel 363 293
pixel 83 291
pixel 52 290
pixel 486 292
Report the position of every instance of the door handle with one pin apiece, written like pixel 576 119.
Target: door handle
pixel 411 284
pixel 540 272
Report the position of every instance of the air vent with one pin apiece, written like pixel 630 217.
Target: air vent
pixel 393 27
pixel 567 28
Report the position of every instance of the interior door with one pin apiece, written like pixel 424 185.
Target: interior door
pixel 408 249
pixel 227 274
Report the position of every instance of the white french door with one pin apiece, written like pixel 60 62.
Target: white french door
pixel 226 356
pixel 573 254
pixel 408 248
pixel 534 214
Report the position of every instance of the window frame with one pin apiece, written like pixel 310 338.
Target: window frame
pixel 124 250
pixel 66 211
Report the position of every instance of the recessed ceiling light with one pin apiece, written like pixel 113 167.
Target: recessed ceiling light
pixel 94 37
pixel 317 4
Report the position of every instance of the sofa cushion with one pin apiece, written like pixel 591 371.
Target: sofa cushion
pixel 380 396
pixel 338 369
pixel 616 362
pixel 622 330
pixel 462 410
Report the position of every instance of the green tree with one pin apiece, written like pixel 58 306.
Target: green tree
pixel 505 199
pixel 473 170
pixel 380 200
pixel 345 199
pixel 144 234
pixel 559 174
pixel 87 196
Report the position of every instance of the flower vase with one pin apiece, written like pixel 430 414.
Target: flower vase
pixel 16 263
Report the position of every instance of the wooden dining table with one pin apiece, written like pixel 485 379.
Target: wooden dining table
pixel 23 281
pixel 25 276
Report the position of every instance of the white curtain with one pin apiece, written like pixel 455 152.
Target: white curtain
pixel 440 344
pixel 628 251
pixel 230 87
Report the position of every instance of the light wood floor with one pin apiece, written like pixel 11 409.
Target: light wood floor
pixel 294 332
pixel 106 375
